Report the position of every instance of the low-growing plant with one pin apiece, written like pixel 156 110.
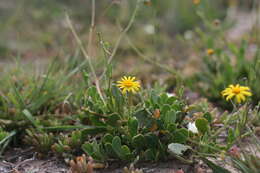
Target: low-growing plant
pixel 83 164
pixel 224 68
pixel 68 143
pixel 128 123
pixel 3 134
pixel 41 141
pixel 132 169
pixel 3 139
pixel 142 130
pixel 155 128
pixel 223 63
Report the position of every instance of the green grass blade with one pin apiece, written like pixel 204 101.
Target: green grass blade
pixel 67 128
pixel 29 117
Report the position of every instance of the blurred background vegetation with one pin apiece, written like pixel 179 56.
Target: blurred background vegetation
pixel 38 27
pixel 170 33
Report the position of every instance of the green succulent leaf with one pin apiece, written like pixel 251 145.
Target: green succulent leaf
pixel 88 148
pixel 165 108
pixel 116 145
pixel 143 118
pixel 208 117
pixel 170 117
pixel 133 126
pixel 171 100
pixel 152 140
pixel 138 141
pixel 118 98
pixel 163 98
pixel 150 154
pixel 125 151
pixel 171 128
pixel 109 150
pixel 107 138
pixel 113 119
pixel 95 150
pixel 181 135
pixel 202 124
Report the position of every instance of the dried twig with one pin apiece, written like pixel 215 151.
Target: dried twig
pixel 130 23
pixel 80 44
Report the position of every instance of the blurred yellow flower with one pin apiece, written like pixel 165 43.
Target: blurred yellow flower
pixel 128 84
pixel 196 2
pixel 237 91
pixel 210 52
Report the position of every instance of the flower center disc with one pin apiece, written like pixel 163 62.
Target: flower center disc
pixel 128 84
pixel 236 90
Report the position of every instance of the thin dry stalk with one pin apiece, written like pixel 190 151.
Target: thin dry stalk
pixel 91 29
pixel 123 33
pixel 80 44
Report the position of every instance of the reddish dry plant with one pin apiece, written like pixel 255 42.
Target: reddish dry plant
pixel 156 114
pixel 200 170
pixel 179 171
pixel 83 164
pixel 15 171
pixel 234 152
pixel 132 169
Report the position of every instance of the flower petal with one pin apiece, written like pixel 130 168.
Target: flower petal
pixel 238 99
pixel 230 96
pixel 247 93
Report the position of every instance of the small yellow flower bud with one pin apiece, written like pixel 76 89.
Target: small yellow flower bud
pixel 210 52
pixel 196 2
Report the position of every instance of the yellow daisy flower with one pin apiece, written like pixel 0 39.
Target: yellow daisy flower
pixel 237 91
pixel 128 84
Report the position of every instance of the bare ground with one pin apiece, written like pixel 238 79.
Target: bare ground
pixel 25 161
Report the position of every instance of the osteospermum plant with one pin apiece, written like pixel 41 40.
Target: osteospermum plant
pixel 156 127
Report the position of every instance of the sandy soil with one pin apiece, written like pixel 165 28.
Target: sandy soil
pixel 25 161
